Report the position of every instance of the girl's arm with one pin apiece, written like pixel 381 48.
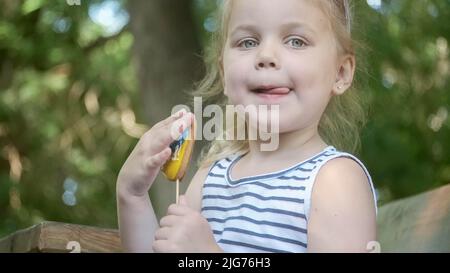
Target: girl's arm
pixel 342 214
pixel 137 222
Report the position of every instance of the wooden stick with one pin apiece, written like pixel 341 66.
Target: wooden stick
pixel 177 190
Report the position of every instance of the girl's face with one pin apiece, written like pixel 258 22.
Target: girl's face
pixel 283 53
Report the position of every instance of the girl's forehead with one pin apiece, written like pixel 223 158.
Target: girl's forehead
pixel 272 13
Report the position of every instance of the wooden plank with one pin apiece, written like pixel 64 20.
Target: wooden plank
pixel 56 237
pixel 26 240
pixel 5 244
pixel 61 237
pixel 417 224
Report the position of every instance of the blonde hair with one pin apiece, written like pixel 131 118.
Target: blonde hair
pixel 344 115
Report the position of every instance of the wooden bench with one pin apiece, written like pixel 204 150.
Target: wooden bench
pixel 61 237
pixel 416 224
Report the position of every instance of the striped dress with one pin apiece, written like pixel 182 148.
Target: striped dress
pixel 264 213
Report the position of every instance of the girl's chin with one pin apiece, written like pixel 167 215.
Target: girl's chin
pixel 256 99
pixel 279 126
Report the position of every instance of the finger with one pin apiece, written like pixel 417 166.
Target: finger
pixel 171 132
pixel 156 246
pixel 162 233
pixel 177 127
pixel 168 221
pixel 178 210
pixel 171 118
pixel 156 161
pixel 163 246
pixel 183 200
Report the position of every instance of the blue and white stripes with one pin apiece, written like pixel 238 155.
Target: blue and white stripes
pixel 265 213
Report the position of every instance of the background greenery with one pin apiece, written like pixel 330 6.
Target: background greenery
pixel 71 106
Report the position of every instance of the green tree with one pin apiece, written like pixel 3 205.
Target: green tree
pixel 67 122
pixel 405 143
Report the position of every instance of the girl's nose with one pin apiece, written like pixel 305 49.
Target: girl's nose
pixel 267 63
pixel 267 59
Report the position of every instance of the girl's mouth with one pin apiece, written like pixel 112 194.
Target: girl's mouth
pixel 272 92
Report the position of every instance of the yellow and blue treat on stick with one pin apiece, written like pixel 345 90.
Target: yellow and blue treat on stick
pixel 175 168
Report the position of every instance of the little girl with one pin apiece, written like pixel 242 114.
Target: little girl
pixel 306 195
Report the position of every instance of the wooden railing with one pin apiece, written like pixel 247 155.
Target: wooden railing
pixel 61 237
pixel 416 224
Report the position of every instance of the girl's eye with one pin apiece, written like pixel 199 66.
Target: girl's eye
pixel 247 43
pixel 297 42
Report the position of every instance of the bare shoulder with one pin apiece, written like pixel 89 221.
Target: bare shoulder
pixel 339 178
pixel 194 190
pixel 342 212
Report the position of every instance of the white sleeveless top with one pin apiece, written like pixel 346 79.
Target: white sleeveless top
pixel 264 213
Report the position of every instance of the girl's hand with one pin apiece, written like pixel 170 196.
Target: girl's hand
pixel 151 152
pixel 184 230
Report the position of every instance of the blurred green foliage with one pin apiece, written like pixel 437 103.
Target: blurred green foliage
pixel 69 105
pixel 406 141
pixel 66 118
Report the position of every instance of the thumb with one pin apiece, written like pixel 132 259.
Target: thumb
pixel 183 200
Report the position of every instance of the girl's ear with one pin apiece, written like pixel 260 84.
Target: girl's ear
pixel 345 74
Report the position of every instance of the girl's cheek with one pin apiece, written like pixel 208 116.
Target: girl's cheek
pixel 235 77
pixel 231 86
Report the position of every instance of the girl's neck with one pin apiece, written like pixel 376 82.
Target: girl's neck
pixel 297 144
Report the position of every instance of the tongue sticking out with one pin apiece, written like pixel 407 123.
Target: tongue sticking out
pixel 274 91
